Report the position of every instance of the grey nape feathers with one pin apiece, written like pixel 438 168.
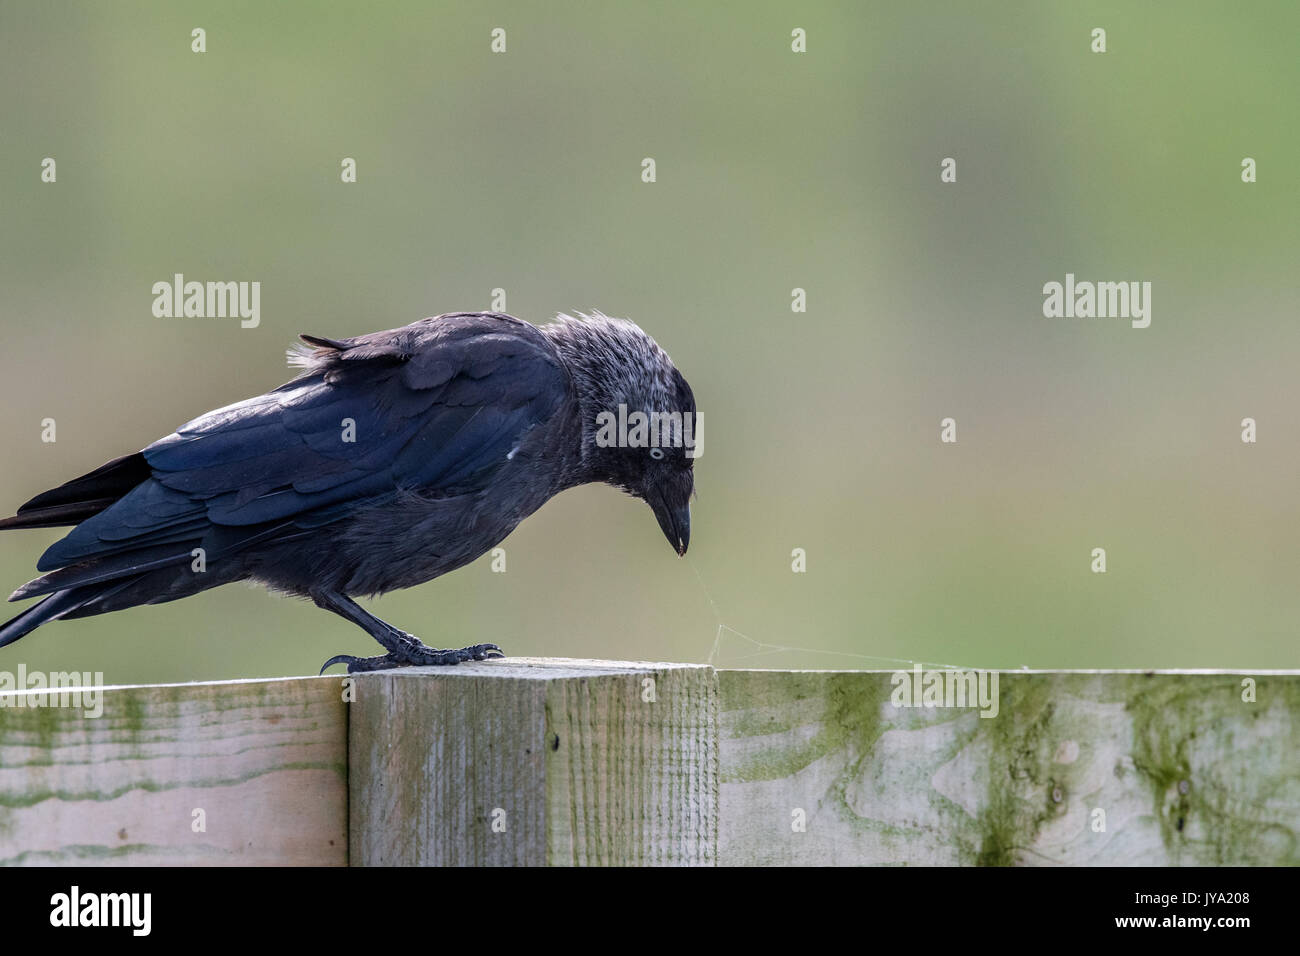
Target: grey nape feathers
pixel 393 458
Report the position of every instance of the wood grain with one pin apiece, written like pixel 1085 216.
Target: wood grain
pixel 535 762
pixel 1184 770
pixel 544 762
pixel 265 762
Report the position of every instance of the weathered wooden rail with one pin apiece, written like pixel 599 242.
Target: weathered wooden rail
pixel 529 761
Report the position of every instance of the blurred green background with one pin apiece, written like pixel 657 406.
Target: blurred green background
pixel 775 170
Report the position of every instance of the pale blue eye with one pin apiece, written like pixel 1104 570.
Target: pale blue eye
pixel 656 453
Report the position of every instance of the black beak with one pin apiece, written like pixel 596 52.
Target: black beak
pixel 675 522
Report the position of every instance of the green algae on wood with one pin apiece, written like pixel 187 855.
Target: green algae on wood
pixel 232 772
pixel 1119 768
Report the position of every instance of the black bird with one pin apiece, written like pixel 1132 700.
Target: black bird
pixel 393 458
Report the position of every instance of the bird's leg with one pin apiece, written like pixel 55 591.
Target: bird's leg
pixel 403 649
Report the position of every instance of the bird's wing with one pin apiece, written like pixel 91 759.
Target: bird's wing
pixel 435 406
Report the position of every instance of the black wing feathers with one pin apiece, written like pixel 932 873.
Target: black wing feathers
pixel 436 406
pixel 82 497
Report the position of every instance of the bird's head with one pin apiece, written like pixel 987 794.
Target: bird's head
pixel 641 431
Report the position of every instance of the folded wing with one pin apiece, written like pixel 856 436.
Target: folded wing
pixel 435 406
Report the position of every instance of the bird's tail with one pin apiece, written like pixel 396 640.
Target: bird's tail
pixel 52 608
pixel 83 497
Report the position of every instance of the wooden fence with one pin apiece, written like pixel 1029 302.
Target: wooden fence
pixel 547 761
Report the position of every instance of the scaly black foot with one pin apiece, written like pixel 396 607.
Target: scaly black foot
pixel 404 649
pixel 415 654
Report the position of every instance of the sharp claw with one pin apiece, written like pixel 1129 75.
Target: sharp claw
pixel 337 659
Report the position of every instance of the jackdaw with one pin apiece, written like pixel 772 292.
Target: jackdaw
pixel 392 458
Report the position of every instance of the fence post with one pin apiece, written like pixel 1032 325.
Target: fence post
pixel 534 762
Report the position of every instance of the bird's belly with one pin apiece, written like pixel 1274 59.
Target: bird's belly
pixel 416 539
